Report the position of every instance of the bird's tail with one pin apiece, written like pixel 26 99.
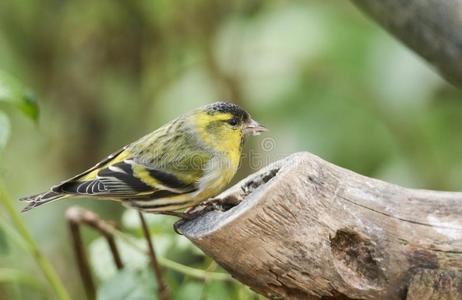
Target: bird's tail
pixel 39 199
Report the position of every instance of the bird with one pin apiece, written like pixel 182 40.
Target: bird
pixel 178 166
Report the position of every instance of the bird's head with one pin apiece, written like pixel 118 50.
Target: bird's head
pixel 224 125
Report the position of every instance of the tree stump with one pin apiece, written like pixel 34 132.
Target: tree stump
pixel 303 228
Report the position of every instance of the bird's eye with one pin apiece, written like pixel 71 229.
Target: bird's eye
pixel 233 121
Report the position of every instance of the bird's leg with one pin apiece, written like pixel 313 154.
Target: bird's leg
pixel 181 215
pixel 201 208
pixel 188 215
pixel 206 206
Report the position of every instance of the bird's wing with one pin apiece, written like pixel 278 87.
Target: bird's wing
pixel 119 176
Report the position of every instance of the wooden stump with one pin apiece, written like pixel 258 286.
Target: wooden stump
pixel 303 228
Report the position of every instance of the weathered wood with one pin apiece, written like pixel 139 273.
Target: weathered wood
pixel 435 285
pixel 432 28
pixel 304 228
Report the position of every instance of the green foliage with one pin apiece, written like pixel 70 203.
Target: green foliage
pixel 17 276
pixel 188 280
pixel 128 284
pixel 4 130
pixel 190 291
pixel 13 92
pixel 218 290
pixel 4 247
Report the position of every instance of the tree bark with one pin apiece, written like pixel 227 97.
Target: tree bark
pixel 432 28
pixel 303 228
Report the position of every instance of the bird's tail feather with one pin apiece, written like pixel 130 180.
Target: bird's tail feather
pixel 39 199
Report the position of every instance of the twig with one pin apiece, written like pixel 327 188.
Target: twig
pixel 77 216
pixel 109 229
pixel 193 272
pixel 172 265
pixel 82 260
pixel 164 293
pixel 115 253
pixel 83 216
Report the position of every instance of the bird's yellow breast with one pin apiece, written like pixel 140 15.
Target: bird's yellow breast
pixel 218 174
pixel 224 142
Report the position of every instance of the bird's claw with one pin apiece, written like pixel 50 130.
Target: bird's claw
pixel 196 211
pixel 206 206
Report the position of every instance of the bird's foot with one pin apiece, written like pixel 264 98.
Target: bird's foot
pixel 204 207
pixel 196 211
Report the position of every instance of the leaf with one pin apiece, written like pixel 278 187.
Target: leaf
pixel 182 244
pixel 18 276
pixel 128 285
pixel 12 91
pixel 217 290
pixel 189 291
pixel 4 248
pixel 11 235
pixel 4 130
pixel 103 264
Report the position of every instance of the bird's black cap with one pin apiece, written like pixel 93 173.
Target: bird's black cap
pixel 226 107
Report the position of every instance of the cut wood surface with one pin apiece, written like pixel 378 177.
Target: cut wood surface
pixel 303 228
pixel 432 28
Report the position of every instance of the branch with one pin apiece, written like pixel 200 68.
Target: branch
pixel 429 27
pixel 164 293
pixel 82 260
pixel 304 228
pixel 77 216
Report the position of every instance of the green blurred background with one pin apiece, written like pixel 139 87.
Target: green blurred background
pixel 320 75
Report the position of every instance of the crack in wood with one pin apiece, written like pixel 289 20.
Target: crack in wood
pixel 399 218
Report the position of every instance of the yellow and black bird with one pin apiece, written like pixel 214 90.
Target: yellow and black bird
pixel 180 165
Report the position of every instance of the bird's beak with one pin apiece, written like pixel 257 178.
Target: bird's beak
pixel 254 128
